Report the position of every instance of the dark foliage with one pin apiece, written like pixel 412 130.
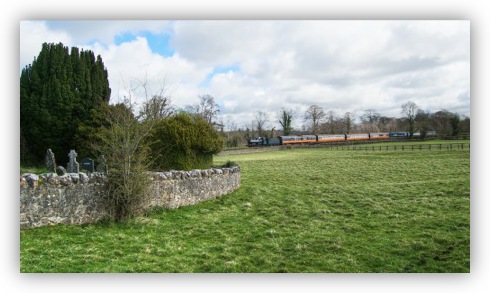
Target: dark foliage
pixel 58 92
pixel 184 142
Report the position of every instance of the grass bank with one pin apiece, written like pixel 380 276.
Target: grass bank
pixel 300 210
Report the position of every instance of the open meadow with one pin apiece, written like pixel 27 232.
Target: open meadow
pixel 298 210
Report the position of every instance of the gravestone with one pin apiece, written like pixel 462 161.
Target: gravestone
pixel 49 161
pixel 102 166
pixel 73 166
pixel 60 171
pixel 88 164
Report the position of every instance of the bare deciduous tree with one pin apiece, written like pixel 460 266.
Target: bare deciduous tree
pixel 123 146
pixel 333 124
pixel 423 122
pixel 207 108
pixel 314 116
pixel 260 121
pixel 126 157
pixel 410 109
pixel 157 108
pixel 370 120
pixel 230 123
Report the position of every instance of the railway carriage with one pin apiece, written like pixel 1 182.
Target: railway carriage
pixel 273 141
pixel 292 139
pixel 357 136
pixel 379 135
pixel 324 138
pixel 331 137
pixel 309 139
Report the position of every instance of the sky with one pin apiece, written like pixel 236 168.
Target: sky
pixel 266 65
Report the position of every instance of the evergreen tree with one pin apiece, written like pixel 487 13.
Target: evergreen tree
pixel 285 118
pixel 57 93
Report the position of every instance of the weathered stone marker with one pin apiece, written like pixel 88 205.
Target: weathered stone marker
pixel 49 161
pixel 73 166
pixel 102 166
pixel 60 170
pixel 88 164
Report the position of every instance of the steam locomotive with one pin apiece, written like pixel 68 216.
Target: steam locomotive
pixel 324 138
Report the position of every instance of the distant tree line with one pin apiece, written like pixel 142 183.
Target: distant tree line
pixel 317 120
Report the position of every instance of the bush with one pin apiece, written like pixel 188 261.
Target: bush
pixel 183 142
pixel 229 164
pixel 126 157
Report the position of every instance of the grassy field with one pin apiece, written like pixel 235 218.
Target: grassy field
pixel 302 210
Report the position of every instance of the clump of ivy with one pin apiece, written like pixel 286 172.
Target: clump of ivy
pixel 183 142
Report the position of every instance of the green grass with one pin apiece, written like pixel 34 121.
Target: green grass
pixel 302 210
pixel 34 169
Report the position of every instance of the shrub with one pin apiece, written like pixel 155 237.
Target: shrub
pixel 126 157
pixel 183 142
pixel 229 164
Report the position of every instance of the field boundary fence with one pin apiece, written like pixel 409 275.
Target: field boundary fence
pixel 351 147
pixel 412 147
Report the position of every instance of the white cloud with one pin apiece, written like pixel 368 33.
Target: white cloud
pixel 130 64
pixel 33 34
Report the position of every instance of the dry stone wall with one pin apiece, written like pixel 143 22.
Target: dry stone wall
pixel 76 198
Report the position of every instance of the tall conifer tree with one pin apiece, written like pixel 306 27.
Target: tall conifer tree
pixel 57 93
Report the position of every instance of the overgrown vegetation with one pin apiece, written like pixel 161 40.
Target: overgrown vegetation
pixel 301 210
pixel 122 144
pixel 184 142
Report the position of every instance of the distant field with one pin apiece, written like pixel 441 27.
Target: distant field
pixel 300 210
pixel 424 142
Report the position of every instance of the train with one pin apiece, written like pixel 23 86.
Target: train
pixel 324 138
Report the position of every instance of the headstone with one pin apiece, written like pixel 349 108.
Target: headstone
pixel 87 164
pixel 102 166
pixel 73 166
pixel 60 171
pixel 49 161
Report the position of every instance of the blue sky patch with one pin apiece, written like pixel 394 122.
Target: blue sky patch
pixel 218 70
pixel 124 38
pixel 159 43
